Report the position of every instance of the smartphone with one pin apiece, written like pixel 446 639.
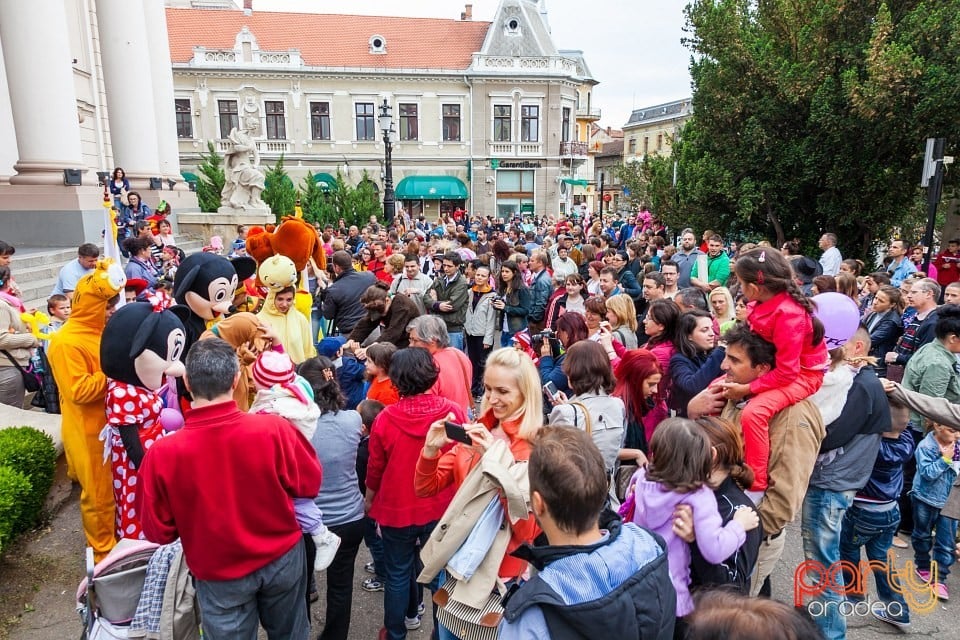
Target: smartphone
pixel 457 432
pixel 551 390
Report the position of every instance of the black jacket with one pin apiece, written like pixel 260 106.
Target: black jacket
pixel 885 329
pixel 642 606
pixel 341 300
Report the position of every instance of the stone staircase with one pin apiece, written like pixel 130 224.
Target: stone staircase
pixel 35 270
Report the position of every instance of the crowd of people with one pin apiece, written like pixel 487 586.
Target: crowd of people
pixel 584 366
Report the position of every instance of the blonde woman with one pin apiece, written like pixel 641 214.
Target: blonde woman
pixel 512 411
pixel 721 304
pixel 622 316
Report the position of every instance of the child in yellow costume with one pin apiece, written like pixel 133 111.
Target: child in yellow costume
pixel 278 273
pixel 74 355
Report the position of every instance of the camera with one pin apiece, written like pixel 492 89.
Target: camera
pixel 536 341
pixel 498 298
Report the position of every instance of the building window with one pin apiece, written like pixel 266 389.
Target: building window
pixel 632 146
pixel 659 142
pixel 565 126
pixel 184 119
pixel 451 123
pixel 366 127
pixel 646 145
pixel 408 121
pixel 501 123
pixel 530 123
pixel 320 120
pixel 229 119
pixel 276 123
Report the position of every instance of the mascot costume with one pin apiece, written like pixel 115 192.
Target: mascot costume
pixel 140 348
pixel 74 356
pixel 298 240
pixel 293 327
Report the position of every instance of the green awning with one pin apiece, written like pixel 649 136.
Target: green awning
pixel 190 177
pixel 575 182
pixel 431 188
pixel 325 180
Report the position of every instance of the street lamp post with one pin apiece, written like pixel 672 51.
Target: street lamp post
pixel 389 198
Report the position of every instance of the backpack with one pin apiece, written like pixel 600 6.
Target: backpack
pixel 602 417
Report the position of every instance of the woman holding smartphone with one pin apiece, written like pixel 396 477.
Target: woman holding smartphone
pixel 513 301
pixel 512 411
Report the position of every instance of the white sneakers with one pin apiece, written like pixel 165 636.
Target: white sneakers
pixel 327 544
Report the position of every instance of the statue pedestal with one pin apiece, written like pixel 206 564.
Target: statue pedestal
pixel 223 223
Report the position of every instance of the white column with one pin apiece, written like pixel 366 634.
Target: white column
pixel 127 77
pixel 162 78
pixel 36 54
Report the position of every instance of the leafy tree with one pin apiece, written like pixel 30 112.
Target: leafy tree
pixel 211 180
pixel 650 182
pixel 318 205
pixel 810 115
pixel 280 194
pixel 364 201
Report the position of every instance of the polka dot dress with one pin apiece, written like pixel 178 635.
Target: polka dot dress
pixel 129 404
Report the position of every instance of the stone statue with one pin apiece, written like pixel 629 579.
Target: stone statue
pixel 244 179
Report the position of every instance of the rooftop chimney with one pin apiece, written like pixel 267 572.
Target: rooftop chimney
pixel 247 7
pixel 467 12
pixel 608 130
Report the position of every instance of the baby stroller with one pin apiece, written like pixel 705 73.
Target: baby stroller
pixel 140 590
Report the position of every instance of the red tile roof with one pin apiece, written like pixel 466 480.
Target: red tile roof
pixel 331 40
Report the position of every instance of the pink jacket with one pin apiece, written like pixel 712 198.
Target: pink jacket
pixel 782 321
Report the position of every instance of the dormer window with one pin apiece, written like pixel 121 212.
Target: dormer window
pixel 378 44
pixel 512 27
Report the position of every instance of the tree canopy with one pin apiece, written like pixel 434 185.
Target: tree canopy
pixel 811 115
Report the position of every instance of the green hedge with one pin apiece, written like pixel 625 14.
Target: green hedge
pixel 14 494
pixel 31 454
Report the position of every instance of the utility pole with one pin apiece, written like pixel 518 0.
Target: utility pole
pixel 933 170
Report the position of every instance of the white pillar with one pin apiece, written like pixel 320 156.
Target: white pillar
pixel 36 53
pixel 162 78
pixel 127 77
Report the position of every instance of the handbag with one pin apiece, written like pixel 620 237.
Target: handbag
pixel 463 620
pixel 31 383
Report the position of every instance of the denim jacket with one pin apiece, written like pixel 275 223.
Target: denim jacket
pixel 935 475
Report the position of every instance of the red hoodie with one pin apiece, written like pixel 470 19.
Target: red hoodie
pixel 396 440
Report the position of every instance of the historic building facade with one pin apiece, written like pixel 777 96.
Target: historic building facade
pixel 489 116
pixel 652 130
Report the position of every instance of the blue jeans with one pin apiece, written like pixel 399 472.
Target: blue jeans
pixel 874 531
pixel 401 593
pixel 932 531
pixel 822 517
pixel 273 596
pixel 375 545
pixel 456 340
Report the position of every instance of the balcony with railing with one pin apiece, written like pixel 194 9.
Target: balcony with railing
pixel 265 147
pixel 588 113
pixel 516 149
pixel 573 149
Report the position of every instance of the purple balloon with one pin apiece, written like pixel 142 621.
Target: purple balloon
pixel 839 315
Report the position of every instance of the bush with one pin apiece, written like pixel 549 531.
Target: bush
pixel 31 453
pixel 14 494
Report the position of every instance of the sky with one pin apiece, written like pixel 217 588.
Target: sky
pixel 631 46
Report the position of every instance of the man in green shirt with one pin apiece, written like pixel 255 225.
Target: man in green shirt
pixel 717 267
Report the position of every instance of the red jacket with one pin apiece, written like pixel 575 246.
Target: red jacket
pixel 948 267
pixel 225 485
pixel 396 440
pixel 782 321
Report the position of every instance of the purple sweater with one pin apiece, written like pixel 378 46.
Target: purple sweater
pixel 655 505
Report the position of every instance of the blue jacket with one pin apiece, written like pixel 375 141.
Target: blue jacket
pixel 886 480
pixel 541 289
pixel 351 375
pixel 551 370
pixel 628 282
pixel 617 588
pixel 690 377
pixel 935 476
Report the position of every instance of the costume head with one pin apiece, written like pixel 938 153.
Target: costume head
pixel 277 272
pixel 141 346
pixel 240 331
pixel 206 282
pixel 294 238
pixel 94 290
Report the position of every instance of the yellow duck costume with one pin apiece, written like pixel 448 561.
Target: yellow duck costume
pixel 74 355
pixel 276 273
